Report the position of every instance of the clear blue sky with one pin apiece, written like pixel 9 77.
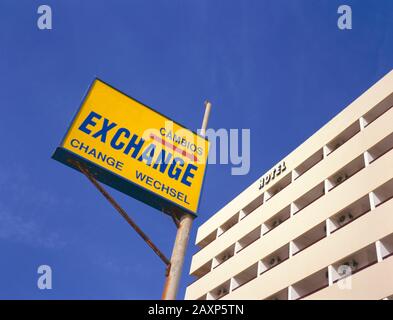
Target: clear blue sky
pixel 281 68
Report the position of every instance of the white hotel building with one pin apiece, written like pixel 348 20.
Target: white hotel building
pixel 318 225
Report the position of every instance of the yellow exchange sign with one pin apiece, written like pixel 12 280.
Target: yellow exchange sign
pixel 136 150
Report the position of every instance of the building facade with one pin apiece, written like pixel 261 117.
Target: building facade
pixel 318 225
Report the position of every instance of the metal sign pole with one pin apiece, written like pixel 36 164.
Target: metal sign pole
pixel 183 234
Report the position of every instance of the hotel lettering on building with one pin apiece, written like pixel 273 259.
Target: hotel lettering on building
pixel 318 225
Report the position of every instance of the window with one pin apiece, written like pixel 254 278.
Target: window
pixel 309 238
pixel 308 164
pixel 345 173
pixel 343 137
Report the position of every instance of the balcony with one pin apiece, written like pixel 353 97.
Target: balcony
pixel 349 214
pixel 382 147
pixel 227 225
pixel 209 239
pixel 383 193
pixel 203 270
pixel 345 173
pixel 308 198
pixel 354 263
pixel 256 203
pixel 377 111
pixel 282 295
pixel 276 220
pixel 244 277
pixel 219 292
pixel 309 285
pixel 343 137
pixel 248 239
pixel 224 256
pixel 284 182
pixel 309 238
pixel 274 259
pixel 308 164
pixel 386 246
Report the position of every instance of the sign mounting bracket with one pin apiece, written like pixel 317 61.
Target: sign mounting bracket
pixel 124 214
